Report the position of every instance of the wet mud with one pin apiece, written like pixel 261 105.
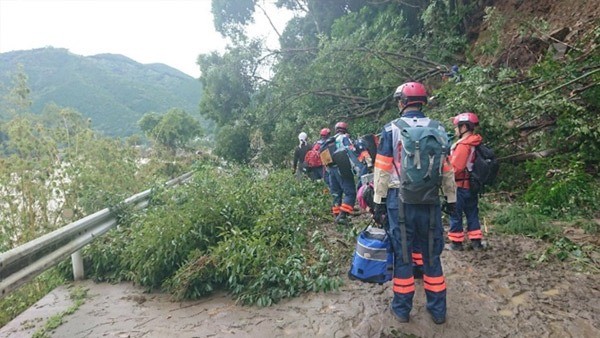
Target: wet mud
pixel 494 293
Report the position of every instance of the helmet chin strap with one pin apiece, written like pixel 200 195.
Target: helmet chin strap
pixel 460 135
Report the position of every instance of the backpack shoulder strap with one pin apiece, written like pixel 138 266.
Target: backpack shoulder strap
pixel 434 124
pixel 471 158
pixel 400 123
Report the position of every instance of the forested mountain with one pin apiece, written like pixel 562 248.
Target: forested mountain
pixel 112 90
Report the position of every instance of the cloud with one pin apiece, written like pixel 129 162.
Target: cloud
pixel 173 32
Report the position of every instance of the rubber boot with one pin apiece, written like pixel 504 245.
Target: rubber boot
pixel 456 246
pixel 342 218
pixel 476 245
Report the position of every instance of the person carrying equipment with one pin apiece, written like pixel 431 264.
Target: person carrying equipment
pixel 411 166
pixel 365 159
pixel 467 202
pixel 341 175
pixel 313 159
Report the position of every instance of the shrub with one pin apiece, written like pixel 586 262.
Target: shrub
pixel 252 234
pixel 525 220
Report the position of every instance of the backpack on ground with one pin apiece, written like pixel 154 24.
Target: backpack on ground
pixel 313 157
pixel 484 169
pixel 373 259
pixel 423 152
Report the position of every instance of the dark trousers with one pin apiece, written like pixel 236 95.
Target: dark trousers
pixel 467 204
pixel 417 232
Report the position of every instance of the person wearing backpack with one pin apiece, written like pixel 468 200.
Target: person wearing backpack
pixel 365 159
pixel 410 208
pixel 467 202
pixel 341 175
pixel 315 168
pixel 298 167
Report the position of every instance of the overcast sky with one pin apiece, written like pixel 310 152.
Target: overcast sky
pixel 173 32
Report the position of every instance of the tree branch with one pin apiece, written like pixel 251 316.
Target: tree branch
pixel 528 156
pixel 566 84
pixel 342 96
pixel 270 22
pixel 548 36
pixel 399 70
pixel 582 89
pixel 528 130
pixel 401 55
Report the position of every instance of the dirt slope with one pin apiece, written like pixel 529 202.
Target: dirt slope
pixel 496 293
pixel 530 28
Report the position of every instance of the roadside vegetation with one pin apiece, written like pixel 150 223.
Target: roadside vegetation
pixel 259 237
pixel 55 169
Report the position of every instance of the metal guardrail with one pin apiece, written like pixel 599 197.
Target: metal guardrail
pixel 23 263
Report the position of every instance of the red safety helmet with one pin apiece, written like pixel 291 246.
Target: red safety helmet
pixel 341 126
pixel 466 117
pixel 325 132
pixel 411 93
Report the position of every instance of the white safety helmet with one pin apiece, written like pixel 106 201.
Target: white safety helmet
pixel 302 136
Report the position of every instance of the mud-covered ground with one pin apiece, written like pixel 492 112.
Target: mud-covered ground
pixel 496 293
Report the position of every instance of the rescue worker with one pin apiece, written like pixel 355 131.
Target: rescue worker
pixel 411 225
pixel 461 157
pixel 320 172
pixel 342 186
pixel 452 74
pixel 299 154
pixel 364 159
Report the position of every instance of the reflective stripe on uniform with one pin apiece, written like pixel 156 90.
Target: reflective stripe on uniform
pixel 384 162
pixel 417 258
pixel 347 208
pixel 363 155
pixel 404 285
pixel 475 234
pixel 456 236
pixel 434 284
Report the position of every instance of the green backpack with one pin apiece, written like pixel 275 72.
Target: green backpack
pixel 422 154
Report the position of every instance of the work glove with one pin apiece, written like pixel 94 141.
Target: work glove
pixel 448 208
pixel 380 213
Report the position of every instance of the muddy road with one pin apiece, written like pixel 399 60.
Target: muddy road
pixel 495 293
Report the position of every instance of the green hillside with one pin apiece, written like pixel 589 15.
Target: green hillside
pixel 112 90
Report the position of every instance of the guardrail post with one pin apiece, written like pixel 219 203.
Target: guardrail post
pixel 77 263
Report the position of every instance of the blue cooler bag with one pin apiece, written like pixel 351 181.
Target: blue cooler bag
pixel 373 260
